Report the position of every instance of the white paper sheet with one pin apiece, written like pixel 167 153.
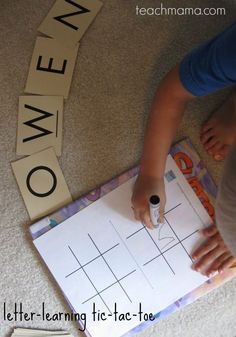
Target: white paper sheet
pixel 103 256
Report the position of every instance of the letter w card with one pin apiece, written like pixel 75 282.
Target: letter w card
pixel 51 68
pixel 68 20
pixel 41 182
pixel 39 124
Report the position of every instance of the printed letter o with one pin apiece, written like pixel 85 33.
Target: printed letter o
pixel 41 195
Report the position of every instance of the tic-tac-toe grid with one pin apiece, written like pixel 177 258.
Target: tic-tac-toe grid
pixel 101 255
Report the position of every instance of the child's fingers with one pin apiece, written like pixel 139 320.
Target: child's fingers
pixel 143 216
pixel 161 213
pixel 146 220
pixel 217 263
pixel 207 259
pixel 210 231
pixel 205 248
pixel 226 264
pixel 136 214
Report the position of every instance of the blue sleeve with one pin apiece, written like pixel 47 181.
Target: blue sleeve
pixel 212 66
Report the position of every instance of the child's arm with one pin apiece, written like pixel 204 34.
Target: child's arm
pixel 166 113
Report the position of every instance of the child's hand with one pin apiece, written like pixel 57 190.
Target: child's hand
pixel 144 188
pixel 213 255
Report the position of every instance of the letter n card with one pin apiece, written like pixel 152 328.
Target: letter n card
pixel 39 124
pixel 41 182
pixel 68 20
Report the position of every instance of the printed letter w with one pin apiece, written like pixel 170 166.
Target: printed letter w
pixel 30 123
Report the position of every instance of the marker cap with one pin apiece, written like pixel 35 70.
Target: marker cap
pixel 154 200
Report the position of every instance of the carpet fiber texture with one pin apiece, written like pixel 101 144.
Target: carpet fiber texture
pixel 121 60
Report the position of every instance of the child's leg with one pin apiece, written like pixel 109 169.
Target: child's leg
pixel 226 202
pixel 219 132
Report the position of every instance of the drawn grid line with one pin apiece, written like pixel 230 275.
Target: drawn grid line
pixel 142 272
pixel 91 260
pixel 159 250
pixel 109 267
pixel 109 286
pixel 89 279
pixel 169 248
pixel 144 226
pixel 179 240
pixel 161 253
pixel 181 189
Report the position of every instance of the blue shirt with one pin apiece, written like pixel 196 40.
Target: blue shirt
pixel 212 66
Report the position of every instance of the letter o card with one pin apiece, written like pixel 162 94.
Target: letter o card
pixel 68 20
pixel 41 182
pixel 39 124
pixel 51 68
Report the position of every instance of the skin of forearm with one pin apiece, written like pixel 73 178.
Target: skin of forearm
pixel 167 111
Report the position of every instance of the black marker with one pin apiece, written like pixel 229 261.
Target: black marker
pixel 154 203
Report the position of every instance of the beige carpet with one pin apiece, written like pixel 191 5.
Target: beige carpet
pixel 121 60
